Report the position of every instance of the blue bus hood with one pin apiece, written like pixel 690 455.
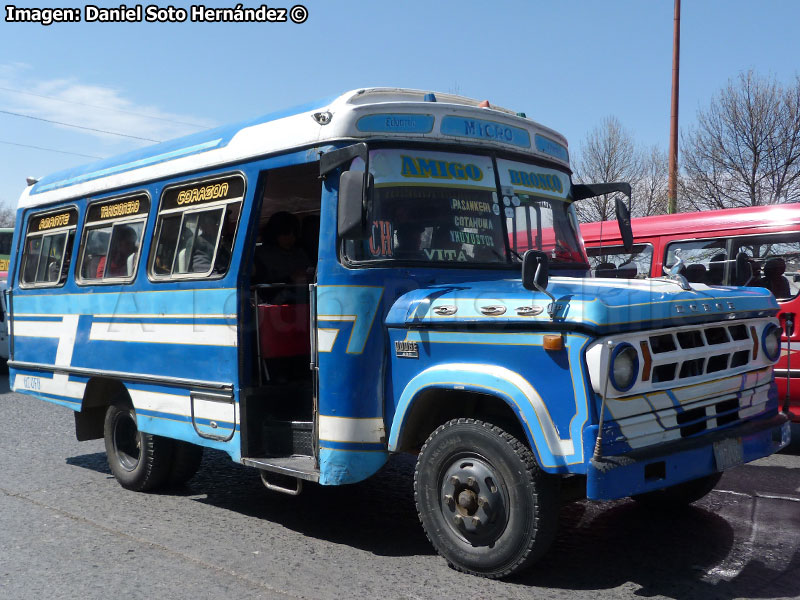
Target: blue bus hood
pixel 599 305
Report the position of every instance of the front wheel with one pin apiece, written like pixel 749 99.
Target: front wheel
pixel 139 461
pixel 484 503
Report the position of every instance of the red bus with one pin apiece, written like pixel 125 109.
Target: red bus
pixel 708 242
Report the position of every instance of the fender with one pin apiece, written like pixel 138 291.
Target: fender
pixel 553 452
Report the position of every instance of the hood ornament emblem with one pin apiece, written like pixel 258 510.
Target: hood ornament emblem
pixel 493 310
pixel 674 273
pixel 445 310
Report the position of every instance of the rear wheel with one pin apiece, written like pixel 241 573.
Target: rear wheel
pixel 139 461
pixel 679 495
pixel 186 459
pixel 484 503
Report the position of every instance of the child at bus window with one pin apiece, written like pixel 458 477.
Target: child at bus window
pixel 121 253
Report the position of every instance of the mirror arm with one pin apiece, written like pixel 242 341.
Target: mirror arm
pixel 336 158
pixel 551 309
pixel 581 191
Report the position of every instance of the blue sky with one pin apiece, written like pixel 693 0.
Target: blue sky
pixel 567 64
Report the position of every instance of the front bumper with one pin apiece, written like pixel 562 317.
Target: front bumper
pixel 668 464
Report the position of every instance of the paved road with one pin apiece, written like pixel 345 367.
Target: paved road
pixel 67 530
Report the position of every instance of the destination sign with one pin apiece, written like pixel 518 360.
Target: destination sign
pixel 395 123
pixel 65 218
pixel 552 148
pixel 485 130
pixel 119 208
pixel 230 188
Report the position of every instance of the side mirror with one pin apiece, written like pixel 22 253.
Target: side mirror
pixel 743 270
pixel 535 270
pixel 624 222
pixel 354 189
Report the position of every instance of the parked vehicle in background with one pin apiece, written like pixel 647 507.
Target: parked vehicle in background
pixel 6 235
pixel 708 244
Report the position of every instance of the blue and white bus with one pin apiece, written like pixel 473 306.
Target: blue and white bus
pixel 319 288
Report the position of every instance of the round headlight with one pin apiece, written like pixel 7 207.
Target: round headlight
pixel 771 341
pixel 624 367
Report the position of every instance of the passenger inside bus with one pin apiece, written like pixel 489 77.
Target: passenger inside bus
pixel 203 251
pixel 280 258
pixel 121 254
pixel 283 313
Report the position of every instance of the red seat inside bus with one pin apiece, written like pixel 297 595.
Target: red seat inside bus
pixel 283 330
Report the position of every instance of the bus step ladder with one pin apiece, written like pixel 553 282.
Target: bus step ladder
pixel 285 484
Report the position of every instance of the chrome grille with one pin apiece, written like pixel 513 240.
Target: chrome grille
pixel 699 351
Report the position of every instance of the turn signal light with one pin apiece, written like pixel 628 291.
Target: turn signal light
pixel 553 343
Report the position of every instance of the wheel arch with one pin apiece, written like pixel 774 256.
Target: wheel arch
pixel 499 390
pixel 435 405
pixel 100 392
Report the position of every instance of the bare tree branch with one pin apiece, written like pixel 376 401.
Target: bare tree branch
pixel 745 148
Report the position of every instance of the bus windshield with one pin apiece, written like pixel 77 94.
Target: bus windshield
pixel 538 215
pixel 445 207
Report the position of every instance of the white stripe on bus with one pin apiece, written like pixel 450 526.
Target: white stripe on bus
pixel 345 429
pixel 165 333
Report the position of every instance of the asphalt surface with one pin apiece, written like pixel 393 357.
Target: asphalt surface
pixel 68 530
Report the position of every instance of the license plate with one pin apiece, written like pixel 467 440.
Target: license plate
pixel 728 453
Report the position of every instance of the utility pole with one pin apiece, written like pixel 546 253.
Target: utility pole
pixel 672 189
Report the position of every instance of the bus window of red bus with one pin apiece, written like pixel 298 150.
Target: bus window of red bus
pixel 776 262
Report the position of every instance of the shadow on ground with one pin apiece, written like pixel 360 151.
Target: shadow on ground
pixel 599 546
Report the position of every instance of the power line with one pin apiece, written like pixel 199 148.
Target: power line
pixel 49 149
pixel 120 110
pixel 8 112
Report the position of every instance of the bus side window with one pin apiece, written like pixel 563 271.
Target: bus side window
pixel 94 252
pixel 197 242
pixel 703 260
pixel 112 239
pixel 616 262
pixel 196 228
pixel 48 248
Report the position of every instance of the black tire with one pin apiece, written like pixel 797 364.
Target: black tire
pixel 484 503
pixel 679 495
pixel 186 459
pixel 139 461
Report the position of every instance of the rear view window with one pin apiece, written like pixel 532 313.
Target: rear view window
pixel 47 248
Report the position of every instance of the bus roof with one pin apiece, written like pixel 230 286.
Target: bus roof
pixel 385 113
pixel 699 223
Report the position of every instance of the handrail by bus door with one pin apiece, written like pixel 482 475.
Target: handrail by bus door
pixel 312 295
